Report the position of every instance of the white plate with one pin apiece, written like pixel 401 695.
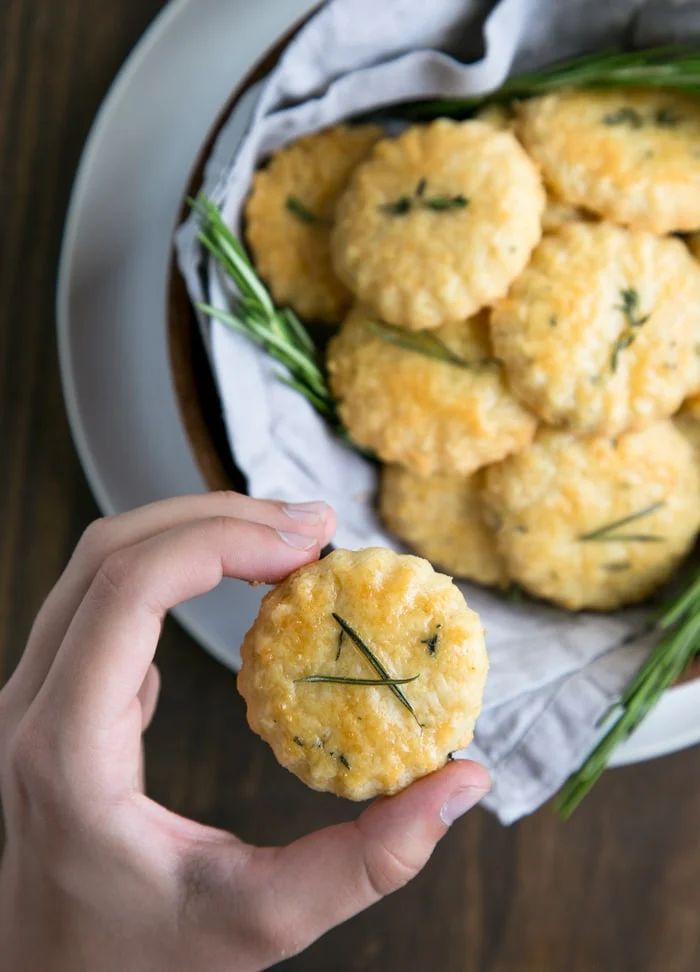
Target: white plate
pixel 112 293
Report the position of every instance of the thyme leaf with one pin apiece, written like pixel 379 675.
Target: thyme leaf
pixel 297 208
pixel 374 662
pixel 423 342
pixel 607 531
pixel 349 680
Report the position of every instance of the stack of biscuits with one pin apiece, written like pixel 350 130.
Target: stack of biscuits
pixel 518 297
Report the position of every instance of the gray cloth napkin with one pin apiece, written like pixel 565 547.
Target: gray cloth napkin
pixel 552 674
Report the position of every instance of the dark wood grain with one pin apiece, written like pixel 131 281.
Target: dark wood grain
pixel 615 889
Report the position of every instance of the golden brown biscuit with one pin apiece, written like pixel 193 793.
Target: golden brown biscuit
pixel 437 223
pixel 441 518
pixel 629 155
pixel 595 523
pixel 431 415
pixel 289 215
pixel 599 332
pixel 362 740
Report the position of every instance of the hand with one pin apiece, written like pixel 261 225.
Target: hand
pixel 95 875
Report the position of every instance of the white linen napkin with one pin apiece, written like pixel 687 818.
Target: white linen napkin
pixel 552 674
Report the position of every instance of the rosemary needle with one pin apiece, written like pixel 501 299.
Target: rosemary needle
pixel 374 662
pixel 346 680
pixel 679 643
pixel 659 67
pixel 606 532
pixel 422 342
pixel 253 313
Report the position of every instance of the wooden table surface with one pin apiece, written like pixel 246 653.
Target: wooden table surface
pixel 617 888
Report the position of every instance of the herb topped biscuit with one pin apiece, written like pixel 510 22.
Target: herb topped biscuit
pixel 599 332
pixel 435 224
pixel 289 216
pixel 436 402
pixel 595 523
pixel 364 671
pixel 629 155
pixel 441 518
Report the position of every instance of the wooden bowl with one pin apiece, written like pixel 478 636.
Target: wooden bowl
pixel 195 387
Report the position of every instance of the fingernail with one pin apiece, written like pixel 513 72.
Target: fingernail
pixel 296 540
pixel 460 802
pixel 313 512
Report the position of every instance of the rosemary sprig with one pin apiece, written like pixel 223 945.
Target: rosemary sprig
pixel 423 342
pixel 345 680
pixel 374 662
pixel 297 208
pixel 659 67
pixel 607 531
pixel 253 313
pixel 679 643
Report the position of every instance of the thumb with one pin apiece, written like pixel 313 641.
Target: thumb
pixel 328 876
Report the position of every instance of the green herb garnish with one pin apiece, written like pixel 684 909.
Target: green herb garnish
pixel 399 207
pixel 607 532
pixel 431 641
pixel 657 67
pixel 341 635
pixel 367 652
pixel 668 117
pixel 679 643
pixel 630 308
pixel 438 203
pixel 624 116
pixel 349 680
pixel 278 331
pixel 426 343
pixel 343 759
pixel 297 208
pixel 622 342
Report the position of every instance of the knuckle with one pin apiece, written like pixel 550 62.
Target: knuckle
pixel 227 495
pixel 387 870
pixel 95 542
pixel 114 573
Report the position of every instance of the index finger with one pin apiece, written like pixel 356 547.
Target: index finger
pixel 112 638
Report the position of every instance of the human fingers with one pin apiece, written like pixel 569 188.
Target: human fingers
pixel 112 638
pixel 104 537
pixel 148 695
pixel 279 900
